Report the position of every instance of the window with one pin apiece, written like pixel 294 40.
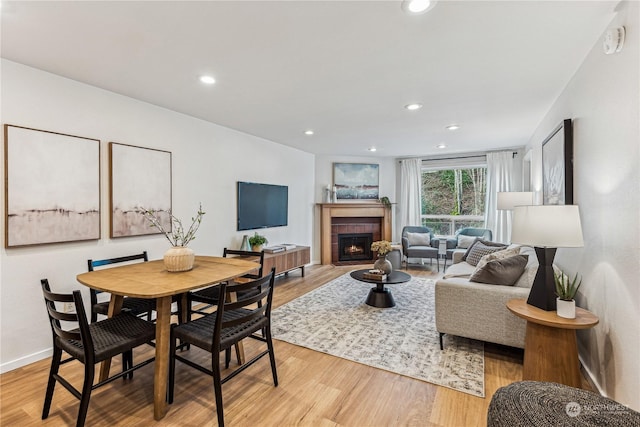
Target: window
pixel 453 198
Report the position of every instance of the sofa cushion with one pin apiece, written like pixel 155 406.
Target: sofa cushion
pixel 478 250
pixel 501 254
pixel 484 242
pixel 505 271
pixel 465 241
pixel 461 269
pixel 419 239
pixel 526 280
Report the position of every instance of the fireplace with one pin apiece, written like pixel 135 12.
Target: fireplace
pixel 355 246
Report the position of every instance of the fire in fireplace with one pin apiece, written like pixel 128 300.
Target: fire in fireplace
pixel 355 247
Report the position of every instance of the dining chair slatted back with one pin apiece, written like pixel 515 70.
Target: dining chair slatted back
pixel 136 306
pixel 232 322
pixel 211 294
pixel 89 344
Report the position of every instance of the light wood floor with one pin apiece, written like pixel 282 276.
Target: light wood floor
pixel 315 389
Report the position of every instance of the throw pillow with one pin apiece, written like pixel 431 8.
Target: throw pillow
pixel 478 250
pixel 501 254
pixel 484 242
pixel 419 239
pixel 504 271
pixel 465 241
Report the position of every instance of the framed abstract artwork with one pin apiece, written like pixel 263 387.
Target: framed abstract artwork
pixel 557 165
pixel 356 181
pixel 52 187
pixel 139 178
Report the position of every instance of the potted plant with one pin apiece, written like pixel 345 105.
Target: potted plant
pixel 257 242
pixel 382 247
pixel 179 257
pixel 566 290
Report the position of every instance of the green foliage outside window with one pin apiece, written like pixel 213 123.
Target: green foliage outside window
pixel 454 191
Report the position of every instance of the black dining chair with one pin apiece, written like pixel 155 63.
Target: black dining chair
pixel 136 306
pixel 210 295
pixel 89 343
pixel 231 323
pixel 141 307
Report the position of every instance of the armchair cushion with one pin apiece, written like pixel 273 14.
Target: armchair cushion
pixel 504 271
pixel 419 239
pixel 465 241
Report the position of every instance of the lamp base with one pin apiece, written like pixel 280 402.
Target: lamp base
pixel 543 290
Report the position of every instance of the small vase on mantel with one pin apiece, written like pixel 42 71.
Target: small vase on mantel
pixel 179 258
pixel 382 263
pixel 565 308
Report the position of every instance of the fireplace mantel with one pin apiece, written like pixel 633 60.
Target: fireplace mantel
pixel 350 210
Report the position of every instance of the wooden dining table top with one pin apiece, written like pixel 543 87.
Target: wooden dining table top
pixel 152 280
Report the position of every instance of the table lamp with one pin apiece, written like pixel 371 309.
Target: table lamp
pixel 546 228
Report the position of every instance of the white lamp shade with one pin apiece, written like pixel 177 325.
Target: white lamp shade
pixel 507 200
pixel 553 226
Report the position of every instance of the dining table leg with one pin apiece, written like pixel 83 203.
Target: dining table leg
pixel 161 373
pixel 115 305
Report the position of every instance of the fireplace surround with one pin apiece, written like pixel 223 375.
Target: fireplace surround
pixel 345 218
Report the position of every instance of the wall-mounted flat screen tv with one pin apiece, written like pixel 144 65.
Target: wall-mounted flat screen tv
pixel 262 205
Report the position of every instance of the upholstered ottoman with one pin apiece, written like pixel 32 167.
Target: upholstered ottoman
pixel 533 403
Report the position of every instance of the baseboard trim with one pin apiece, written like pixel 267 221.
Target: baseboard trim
pixel 590 378
pixel 26 360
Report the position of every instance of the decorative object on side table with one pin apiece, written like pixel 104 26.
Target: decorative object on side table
pixel 257 242
pixel 179 257
pixel 546 228
pixel 566 290
pixel 382 247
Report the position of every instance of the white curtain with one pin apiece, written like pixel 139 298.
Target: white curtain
pixel 410 194
pixel 499 178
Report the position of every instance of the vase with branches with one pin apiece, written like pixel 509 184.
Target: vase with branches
pixel 179 257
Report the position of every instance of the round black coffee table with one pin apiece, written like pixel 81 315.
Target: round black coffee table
pixel 380 296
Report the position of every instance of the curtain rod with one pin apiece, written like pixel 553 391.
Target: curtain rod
pixel 513 155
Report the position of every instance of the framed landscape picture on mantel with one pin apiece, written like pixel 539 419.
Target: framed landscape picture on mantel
pixel 356 181
pixel 557 166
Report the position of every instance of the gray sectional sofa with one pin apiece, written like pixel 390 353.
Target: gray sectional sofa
pixel 479 310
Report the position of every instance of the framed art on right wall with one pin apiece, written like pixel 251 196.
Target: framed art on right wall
pixel 557 165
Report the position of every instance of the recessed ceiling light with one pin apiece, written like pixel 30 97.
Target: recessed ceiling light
pixel 412 107
pixel 453 127
pixel 441 145
pixel 207 80
pixel 417 7
pixel 308 132
pixel 372 149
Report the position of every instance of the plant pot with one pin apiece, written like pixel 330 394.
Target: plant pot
pixel 382 263
pixel 566 309
pixel 179 258
pixel 257 248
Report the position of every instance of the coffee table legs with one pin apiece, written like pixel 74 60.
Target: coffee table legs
pixel 380 297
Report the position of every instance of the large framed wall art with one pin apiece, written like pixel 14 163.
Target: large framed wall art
pixel 354 181
pixel 557 166
pixel 52 187
pixel 139 178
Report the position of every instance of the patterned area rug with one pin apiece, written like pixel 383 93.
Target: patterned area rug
pixel 335 320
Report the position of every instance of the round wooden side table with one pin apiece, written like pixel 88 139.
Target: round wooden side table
pixel 551 347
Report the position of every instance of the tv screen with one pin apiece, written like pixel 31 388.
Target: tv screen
pixel 262 205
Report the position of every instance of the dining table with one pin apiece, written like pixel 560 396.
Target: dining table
pixel 152 280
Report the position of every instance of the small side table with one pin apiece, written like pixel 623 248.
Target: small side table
pixel 551 347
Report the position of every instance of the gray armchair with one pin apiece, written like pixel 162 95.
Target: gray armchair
pixel 453 242
pixel 413 249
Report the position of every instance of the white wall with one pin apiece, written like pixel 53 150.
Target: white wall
pixel 602 99
pixel 207 161
pixel 324 177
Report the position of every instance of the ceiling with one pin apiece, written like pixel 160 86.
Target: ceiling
pixel 345 69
